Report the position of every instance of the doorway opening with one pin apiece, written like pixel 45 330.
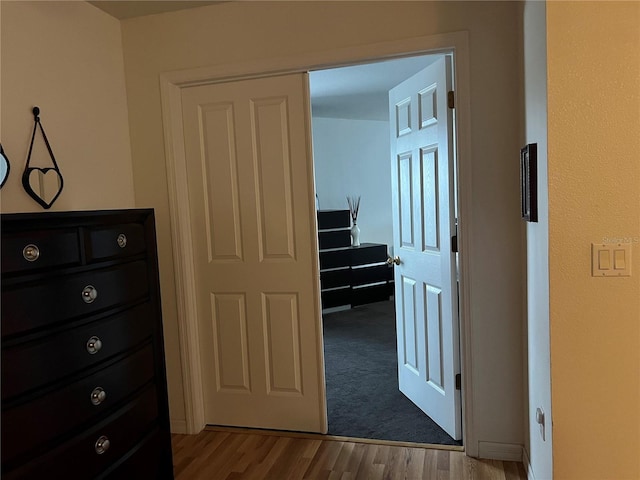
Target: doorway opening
pixel 174 85
pixel 351 150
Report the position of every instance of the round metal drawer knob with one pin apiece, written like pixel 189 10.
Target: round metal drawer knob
pixel 102 445
pixel 122 240
pixel 89 294
pixel 94 345
pixel 98 395
pixel 31 253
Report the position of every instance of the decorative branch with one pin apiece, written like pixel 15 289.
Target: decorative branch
pixel 354 207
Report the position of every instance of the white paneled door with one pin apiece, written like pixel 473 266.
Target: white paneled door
pixel 251 198
pixel 424 221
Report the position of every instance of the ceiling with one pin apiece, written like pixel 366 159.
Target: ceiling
pixel 361 91
pixel 355 92
pixel 138 8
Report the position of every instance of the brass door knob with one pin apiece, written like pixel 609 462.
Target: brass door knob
pixel 391 261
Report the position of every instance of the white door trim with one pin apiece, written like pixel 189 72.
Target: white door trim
pixel 170 85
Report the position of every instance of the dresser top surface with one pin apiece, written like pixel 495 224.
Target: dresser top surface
pixel 67 218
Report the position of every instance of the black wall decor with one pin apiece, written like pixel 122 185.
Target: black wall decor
pixel 5 167
pixel 44 185
pixel 529 182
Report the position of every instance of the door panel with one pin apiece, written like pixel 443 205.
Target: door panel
pixel 221 195
pixel 405 203
pixel 252 206
pixel 410 326
pixel 270 121
pixel 435 362
pixel 230 342
pixel 282 324
pixel 430 190
pixel 424 217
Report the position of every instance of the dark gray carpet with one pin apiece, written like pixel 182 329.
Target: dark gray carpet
pixel 361 368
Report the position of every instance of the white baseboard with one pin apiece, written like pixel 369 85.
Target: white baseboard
pixel 510 452
pixel 527 464
pixel 178 426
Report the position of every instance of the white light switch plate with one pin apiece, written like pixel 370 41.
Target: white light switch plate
pixel 611 259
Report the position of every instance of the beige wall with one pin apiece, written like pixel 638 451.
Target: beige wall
pixel 65 57
pixel 594 193
pixel 243 31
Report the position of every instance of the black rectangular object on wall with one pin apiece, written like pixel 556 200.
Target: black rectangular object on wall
pixel 529 182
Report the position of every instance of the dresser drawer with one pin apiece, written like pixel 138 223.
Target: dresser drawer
pixel 34 364
pixel 374 274
pixel 115 241
pixel 40 421
pixel 336 298
pixel 78 459
pixel 30 307
pixel 368 253
pixel 335 278
pixel 334 239
pixel 52 248
pixel 333 219
pixel 335 258
pixel 150 459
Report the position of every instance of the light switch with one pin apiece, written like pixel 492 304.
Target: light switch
pixel 611 259
pixel 604 260
pixel 619 259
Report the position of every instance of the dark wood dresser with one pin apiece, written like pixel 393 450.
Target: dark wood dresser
pixel 84 392
pixel 350 275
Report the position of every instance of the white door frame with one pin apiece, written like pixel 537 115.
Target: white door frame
pixel 171 84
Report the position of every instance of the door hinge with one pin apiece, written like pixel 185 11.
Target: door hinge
pixel 458 382
pixel 451 99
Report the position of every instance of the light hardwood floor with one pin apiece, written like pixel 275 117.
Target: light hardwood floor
pixel 230 454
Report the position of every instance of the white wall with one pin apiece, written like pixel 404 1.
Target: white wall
pixel 66 58
pixel 539 376
pixel 351 157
